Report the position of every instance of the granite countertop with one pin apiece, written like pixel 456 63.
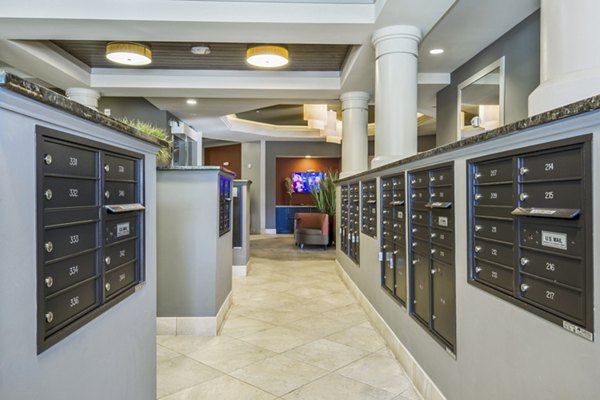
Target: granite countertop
pixel 571 110
pixel 197 168
pixel 43 95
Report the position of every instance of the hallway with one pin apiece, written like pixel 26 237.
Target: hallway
pixel 294 331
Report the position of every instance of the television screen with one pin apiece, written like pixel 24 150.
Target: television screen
pixel 303 182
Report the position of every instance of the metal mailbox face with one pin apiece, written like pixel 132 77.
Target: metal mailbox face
pixel 494 274
pixel 420 196
pixel 119 278
pixel 494 171
pixel 400 270
pixel 421 247
pixel 444 301
pixel 442 218
pixel 493 211
pixel 494 252
pixel 119 193
pixel 70 303
pixel 441 177
pixel 119 254
pixel 398 196
pixel 497 195
pixel 65 273
pixel 68 240
pixel 119 168
pixel 61 192
pixel 445 238
pixel 421 286
pixel 420 232
pixel 555 268
pixel 550 195
pixel 443 194
pixel 122 228
pixel 388 270
pixel 420 217
pixel 442 254
pixel 420 179
pixel 68 160
pixel 560 239
pixel 494 229
pixel 564 164
pixel 566 301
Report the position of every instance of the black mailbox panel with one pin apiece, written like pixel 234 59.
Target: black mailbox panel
pixel 82 236
pixel 431 262
pixel 369 208
pixel 225 193
pixel 354 222
pixel 344 234
pixel 536 249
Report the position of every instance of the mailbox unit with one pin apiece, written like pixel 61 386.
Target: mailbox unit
pixel 344 234
pixel 90 231
pixel 530 214
pixel 393 237
pixel 369 207
pixel 431 244
pixel 350 221
pixel 224 205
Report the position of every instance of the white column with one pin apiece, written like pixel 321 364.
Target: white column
pixel 355 127
pixel 570 54
pixel 396 50
pixel 85 96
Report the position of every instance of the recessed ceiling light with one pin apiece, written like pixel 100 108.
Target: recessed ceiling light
pixel 201 50
pixel 191 102
pixel 308 156
pixel 128 53
pixel 267 56
pixel 436 51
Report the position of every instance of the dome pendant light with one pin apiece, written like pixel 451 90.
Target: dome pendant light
pixel 267 56
pixel 128 53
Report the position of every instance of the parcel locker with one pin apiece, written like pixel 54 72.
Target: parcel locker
pixel 90 222
pixel 538 256
pixel 431 262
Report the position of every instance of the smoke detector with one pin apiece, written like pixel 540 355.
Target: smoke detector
pixel 200 50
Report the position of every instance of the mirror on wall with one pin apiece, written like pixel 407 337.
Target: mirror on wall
pixel 481 101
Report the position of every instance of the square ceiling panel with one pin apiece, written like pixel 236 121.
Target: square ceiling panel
pixel 223 56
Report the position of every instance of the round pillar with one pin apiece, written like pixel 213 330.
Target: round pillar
pixel 85 96
pixel 396 50
pixel 355 131
pixel 570 54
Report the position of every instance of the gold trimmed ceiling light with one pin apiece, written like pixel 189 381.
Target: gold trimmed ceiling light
pixel 267 56
pixel 128 53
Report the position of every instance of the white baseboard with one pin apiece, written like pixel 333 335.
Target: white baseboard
pixel 193 326
pixel 269 231
pixel 421 380
pixel 239 270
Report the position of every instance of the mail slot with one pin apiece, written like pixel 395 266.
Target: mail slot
pixel 561 239
pixel 398 196
pixel 386 184
pixel 420 196
pixel 442 254
pixel 495 229
pixel 420 232
pixel 444 301
pixel 441 177
pixel 443 237
pixel 119 278
pixel 68 192
pixel 69 160
pixel 493 211
pixel 120 229
pixel 119 193
pixel 496 195
pixel 555 268
pixel 493 171
pixel 119 254
pixel 60 242
pixel 551 195
pixel 421 293
pixel 119 168
pixel 566 301
pixel 398 227
pixel 420 179
pixel 496 275
pixel 421 247
pixel 495 252
pixel 442 218
pixel 61 307
pixel 442 194
pixel 559 164
pixel 65 273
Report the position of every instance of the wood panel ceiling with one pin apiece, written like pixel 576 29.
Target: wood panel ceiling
pixel 223 56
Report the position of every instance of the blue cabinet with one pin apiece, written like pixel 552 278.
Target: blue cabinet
pixel 284 216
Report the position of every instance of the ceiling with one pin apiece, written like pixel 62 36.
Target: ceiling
pixel 37 38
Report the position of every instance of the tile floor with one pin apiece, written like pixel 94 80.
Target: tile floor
pixel 293 332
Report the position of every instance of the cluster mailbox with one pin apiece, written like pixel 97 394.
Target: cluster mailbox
pixel 530 230
pixel 369 208
pixel 431 244
pixel 224 204
pixel 344 235
pixel 350 222
pixel 393 237
pixel 90 231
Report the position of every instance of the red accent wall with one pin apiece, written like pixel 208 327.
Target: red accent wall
pixel 284 168
pixel 219 155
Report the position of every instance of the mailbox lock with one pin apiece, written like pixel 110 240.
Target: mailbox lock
pixel 48 159
pixel 49 246
pixel 478 196
pixel 107 286
pixel 395 252
pixel 477 249
pixel 414 244
pixel 49 317
pixel 433 251
pixel 414 230
pixel 433 235
pixel 413 195
pixel 413 216
pixel 433 317
pixel 478 228
pixel 478 270
pixel 523 170
pixel 477 175
pixel 433 195
pixel 49 281
pixel 48 194
pixel 412 182
pixel 107 260
pixel 415 261
pixel 107 194
pixel 433 271
pixel 524 287
pixel 523 196
pixel 106 167
pixel 524 261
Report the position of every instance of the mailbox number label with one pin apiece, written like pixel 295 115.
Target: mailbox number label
pixel 74 270
pixel 74 301
pixel 550 295
pixel 73 192
pixel 493 172
pixel 73 161
pixel 550 267
pixel 549 166
pixel 443 221
pixel 73 239
pixel 554 239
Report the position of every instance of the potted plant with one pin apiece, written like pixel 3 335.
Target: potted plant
pixel 287 182
pixel 323 196
pixel 163 158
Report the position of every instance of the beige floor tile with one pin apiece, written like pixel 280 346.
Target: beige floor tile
pixel 308 292
pixel 337 387
pixel 222 388
pixel 378 371
pixel 277 316
pixel 326 354
pixel 409 394
pixel 188 344
pixel 231 355
pixel 338 299
pixel 180 373
pixel 162 353
pixel 352 314
pixel 359 337
pixel 241 326
pixel 279 375
pixel 386 352
pixel 278 339
pixel 318 326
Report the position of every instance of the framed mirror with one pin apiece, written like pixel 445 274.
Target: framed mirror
pixel 480 105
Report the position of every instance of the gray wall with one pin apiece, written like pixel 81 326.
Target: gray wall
pixel 242 254
pixel 136 108
pixel 503 352
pixel 111 357
pixel 290 149
pixel 251 155
pixel 521 48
